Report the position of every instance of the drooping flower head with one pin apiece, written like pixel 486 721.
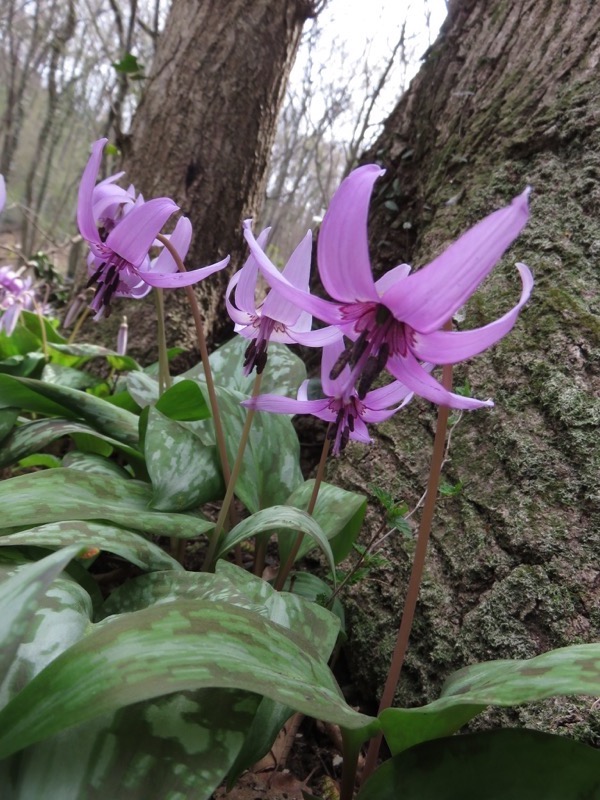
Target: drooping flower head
pixel 395 322
pixel 274 318
pixel 16 294
pixel 340 405
pixel 120 230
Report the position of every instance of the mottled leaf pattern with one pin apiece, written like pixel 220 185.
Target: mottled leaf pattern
pixel 567 671
pixel 67 494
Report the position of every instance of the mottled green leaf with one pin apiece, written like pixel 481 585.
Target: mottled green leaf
pixel 495 765
pixel 67 376
pixel 178 746
pixel 567 671
pixel 127 544
pixel 15 394
pixel 27 366
pixel 93 462
pixel 283 374
pixel 34 436
pixel 67 494
pixel 143 388
pixel 286 520
pixel 210 645
pixel 105 417
pixel 85 352
pixel 184 401
pixel 313 588
pixel 184 472
pixel 340 514
pixel 21 592
pixel 8 418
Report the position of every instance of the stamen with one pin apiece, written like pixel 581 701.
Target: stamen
pixel 339 365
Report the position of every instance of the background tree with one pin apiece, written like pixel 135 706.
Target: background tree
pixel 507 96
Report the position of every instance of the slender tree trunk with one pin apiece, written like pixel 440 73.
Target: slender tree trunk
pixel 203 134
pixel 509 95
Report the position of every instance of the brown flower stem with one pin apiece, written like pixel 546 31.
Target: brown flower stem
pixel 216 534
pixel 210 384
pixel 285 570
pixel 416 575
pixel 164 377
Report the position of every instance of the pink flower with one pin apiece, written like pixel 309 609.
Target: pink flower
pixel 274 318
pixel 341 405
pixel 395 322
pixel 119 261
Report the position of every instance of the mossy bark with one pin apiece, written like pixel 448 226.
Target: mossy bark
pixel 508 96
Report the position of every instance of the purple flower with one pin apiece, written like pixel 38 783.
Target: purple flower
pixel 2 192
pixel 16 294
pixel 120 230
pixel 395 322
pixel 274 318
pixel 341 405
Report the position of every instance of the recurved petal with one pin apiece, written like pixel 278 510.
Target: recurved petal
pixel 174 280
pixel 429 297
pixel 238 316
pixel 343 247
pixel 246 290
pixel 324 310
pixel 277 404
pixel 317 338
pixel 391 278
pixel 85 206
pixel 408 371
pixel 135 234
pixel 386 396
pixel 297 272
pixel 180 239
pixel 449 347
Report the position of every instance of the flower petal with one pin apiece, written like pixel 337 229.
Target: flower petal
pixel 323 309
pixel 135 234
pixel 449 347
pixel 238 316
pixel 386 396
pixel 174 280
pixel 343 246
pixel 408 371
pixel 180 239
pixel 85 207
pixel 391 278
pixel 430 296
pixel 316 338
pixel 2 192
pixel 297 272
pixel 277 404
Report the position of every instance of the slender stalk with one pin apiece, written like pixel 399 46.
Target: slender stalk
pixel 416 575
pixel 285 570
pixel 350 752
pixel 164 377
pixel 80 320
pixel 40 316
pixel 210 384
pixel 216 534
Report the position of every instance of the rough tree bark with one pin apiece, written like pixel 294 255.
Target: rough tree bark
pixel 203 134
pixel 508 95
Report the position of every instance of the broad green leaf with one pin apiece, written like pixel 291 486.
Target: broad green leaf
pixel 184 472
pixel 105 417
pixel 286 520
pixel 40 460
pixel 271 467
pixel 61 618
pixel 184 401
pixel 68 494
pixel 313 588
pixel 20 343
pixel 8 418
pixel 283 374
pixel 567 671
pixel 93 462
pixel 29 366
pixel 34 436
pixel 495 765
pixel 84 352
pixel 143 388
pixel 177 746
pixel 20 595
pixel 179 646
pixel 67 376
pixel 127 544
pixel 31 322
pixel 339 513
pixel 15 394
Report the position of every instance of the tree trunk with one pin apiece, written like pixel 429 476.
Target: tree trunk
pixel 203 133
pixel 508 95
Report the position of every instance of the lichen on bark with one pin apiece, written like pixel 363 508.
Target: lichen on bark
pixel 507 97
